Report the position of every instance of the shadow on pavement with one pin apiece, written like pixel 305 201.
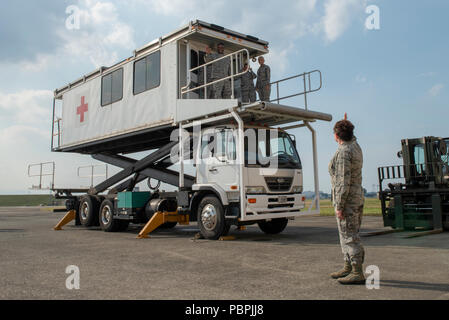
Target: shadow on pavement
pixel 444 287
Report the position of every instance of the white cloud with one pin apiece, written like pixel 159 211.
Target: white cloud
pixel 360 79
pixel 435 90
pixel 338 16
pixel 427 74
pixel 102 33
pixel 31 107
pixel 25 136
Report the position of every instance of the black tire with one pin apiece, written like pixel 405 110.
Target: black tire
pixel 165 207
pixel 88 211
pixel 106 218
pixel 211 218
pixel 274 226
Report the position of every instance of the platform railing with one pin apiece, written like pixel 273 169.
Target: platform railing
pixel 55 128
pixel 186 89
pixel 92 173
pixel 306 86
pixel 43 172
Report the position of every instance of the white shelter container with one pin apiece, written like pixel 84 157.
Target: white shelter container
pixel 132 105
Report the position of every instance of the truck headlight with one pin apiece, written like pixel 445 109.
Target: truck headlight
pixel 297 189
pixel 255 190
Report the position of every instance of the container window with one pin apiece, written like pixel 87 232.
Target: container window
pixel 112 87
pixel 147 73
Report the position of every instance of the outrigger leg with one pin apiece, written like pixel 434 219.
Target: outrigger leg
pixel 159 218
pixel 69 216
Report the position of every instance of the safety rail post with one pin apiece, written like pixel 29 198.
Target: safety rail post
pixel 53 123
pixel 42 174
pixel 315 169
pixel 306 89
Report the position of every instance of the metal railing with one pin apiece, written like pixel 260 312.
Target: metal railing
pixel 307 86
pixel 429 171
pixel 186 89
pixel 92 175
pixel 55 133
pixel 42 174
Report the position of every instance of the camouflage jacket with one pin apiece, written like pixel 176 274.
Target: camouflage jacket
pixel 263 76
pixel 219 69
pixel 246 79
pixel 345 170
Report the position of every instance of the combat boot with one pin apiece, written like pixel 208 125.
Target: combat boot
pixel 355 277
pixel 343 272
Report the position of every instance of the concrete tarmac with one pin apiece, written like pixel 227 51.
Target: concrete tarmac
pixel 171 265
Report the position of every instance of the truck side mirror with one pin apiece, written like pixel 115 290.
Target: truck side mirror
pixel 399 154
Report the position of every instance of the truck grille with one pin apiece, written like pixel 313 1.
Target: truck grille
pixel 279 183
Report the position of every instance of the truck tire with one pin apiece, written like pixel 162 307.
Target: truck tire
pixel 88 211
pixel 106 218
pixel 211 218
pixel 164 206
pixel 274 226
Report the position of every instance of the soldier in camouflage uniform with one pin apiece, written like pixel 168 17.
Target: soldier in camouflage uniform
pixel 219 70
pixel 247 85
pixel 345 170
pixel 263 86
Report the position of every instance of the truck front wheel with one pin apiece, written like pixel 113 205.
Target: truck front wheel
pixel 274 226
pixel 211 218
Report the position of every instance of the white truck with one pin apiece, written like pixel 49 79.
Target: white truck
pixel 247 168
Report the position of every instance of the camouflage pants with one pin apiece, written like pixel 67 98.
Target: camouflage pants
pixel 210 92
pixel 264 93
pixel 348 230
pixel 248 95
pixel 222 89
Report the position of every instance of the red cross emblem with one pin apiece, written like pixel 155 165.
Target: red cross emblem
pixel 81 109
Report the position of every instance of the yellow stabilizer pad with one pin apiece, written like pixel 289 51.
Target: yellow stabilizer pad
pixel 66 219
pixel 158 219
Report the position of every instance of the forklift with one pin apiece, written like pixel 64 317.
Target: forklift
pixel 420 201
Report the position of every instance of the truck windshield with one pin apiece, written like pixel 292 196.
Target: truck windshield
pixel 270 148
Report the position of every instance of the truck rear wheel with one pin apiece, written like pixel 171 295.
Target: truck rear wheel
pixel 274 226
pixel 106 218
pixel 88 211
pixel 211 218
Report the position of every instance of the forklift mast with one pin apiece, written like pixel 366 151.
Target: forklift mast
pixel 425 161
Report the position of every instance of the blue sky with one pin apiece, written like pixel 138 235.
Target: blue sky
pixel 392 82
